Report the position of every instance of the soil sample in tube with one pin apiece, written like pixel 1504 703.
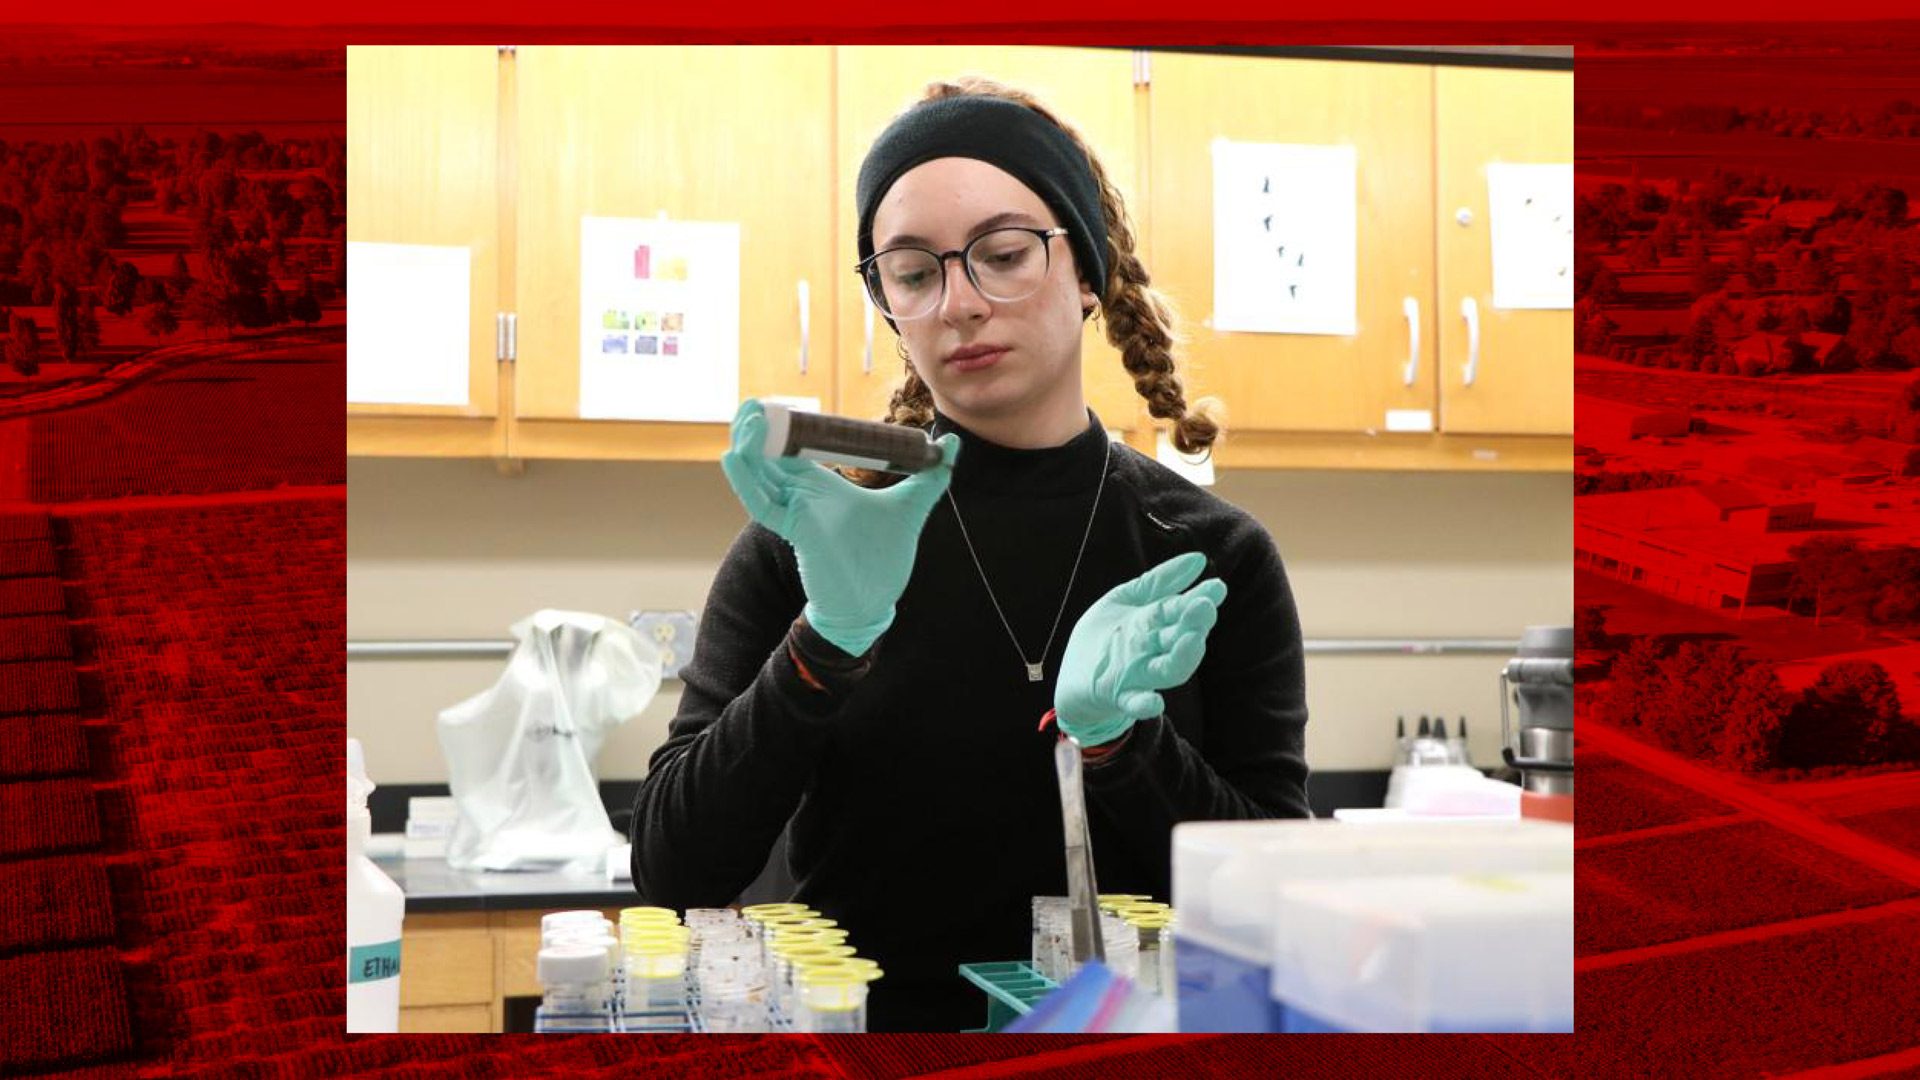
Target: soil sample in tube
pixel 841 440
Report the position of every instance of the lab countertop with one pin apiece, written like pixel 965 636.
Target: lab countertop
pixel 432 886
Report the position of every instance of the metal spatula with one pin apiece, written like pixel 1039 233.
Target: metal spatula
pixel 1083 898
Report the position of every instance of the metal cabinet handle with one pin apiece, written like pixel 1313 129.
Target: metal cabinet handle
pixel 1470 311
pixel 805 326
pixel 866 357
pixel 1411 307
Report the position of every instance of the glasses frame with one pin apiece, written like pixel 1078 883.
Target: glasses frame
pixel 966 264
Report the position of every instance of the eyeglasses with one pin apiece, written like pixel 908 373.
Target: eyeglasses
pixel 1004 265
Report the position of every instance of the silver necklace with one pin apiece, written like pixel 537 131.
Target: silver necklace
pixel 1036 668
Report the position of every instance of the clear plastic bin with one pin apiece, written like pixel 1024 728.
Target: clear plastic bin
pixel 1226 877
pixel 1426 953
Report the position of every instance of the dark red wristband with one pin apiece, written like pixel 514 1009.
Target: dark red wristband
pixel 801 666
pixel 1089 753
pixel 1093 754
pixel 822 665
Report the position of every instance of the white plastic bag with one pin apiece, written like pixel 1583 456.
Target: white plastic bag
pixel 1457 791
pixel 520 756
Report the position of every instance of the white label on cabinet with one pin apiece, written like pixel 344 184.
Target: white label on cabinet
pixel 1409 420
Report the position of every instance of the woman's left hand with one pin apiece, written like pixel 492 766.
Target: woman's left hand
pixel 1143 636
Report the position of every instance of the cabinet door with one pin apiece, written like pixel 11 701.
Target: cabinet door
pixel 1301 382
pixel 422 163
pixel 1523 376
pixel 720 134
pixel 1090 89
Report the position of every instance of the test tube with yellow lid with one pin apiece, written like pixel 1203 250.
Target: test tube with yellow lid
pixel 1156 949
pixel 818 935
pixel 756 916
pixel 655 931
pixel 649 914
pixel 656 955
pixel 833 998
pixel 773 924
pixel 761 911
pixel 655 939
pixel 788 958
pixel 653 961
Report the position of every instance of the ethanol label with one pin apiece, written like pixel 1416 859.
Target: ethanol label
pixel 371 963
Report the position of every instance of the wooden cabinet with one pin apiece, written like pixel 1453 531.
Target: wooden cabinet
pixel 446 1020
pixel 1422 137
pixel 692 134
pixel 1523 375
pixel 447 973
pixel 422 168
pixel 1093 89
pixel 1301 382
pixel 506 152
pixel 458 968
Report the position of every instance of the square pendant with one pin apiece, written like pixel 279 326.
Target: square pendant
pixel 1033 672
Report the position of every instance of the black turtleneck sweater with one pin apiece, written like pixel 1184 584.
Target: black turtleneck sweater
pixel 920 797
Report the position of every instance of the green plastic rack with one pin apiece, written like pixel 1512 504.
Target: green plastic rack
pixel 1012 988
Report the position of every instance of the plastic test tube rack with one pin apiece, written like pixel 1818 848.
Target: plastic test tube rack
pixel 1013 987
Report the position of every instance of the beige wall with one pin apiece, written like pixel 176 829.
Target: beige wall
pixel 450 549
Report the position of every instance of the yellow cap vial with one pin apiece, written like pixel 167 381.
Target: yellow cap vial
pixel 776 923
pixel 761 911
pixel 837 988
pixel 818 935
pixel 667 914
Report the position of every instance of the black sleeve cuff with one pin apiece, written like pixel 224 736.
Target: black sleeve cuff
pixel 1103 757
pixel 825 668
pixel 1130 755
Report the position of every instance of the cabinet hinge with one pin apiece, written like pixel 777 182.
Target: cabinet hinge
pixel 504 333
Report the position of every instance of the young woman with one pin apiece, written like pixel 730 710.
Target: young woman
pixel 874 662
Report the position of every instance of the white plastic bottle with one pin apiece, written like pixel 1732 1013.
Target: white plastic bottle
pixel 375 906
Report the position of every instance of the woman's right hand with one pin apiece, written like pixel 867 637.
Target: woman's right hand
pixel 855 546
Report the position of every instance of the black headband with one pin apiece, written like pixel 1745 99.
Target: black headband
pixel 1007 134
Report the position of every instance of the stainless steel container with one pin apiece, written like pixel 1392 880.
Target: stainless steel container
pixel 1539 682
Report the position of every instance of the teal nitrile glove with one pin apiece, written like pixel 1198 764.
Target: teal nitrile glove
pixel 855 545
pixel 1144 636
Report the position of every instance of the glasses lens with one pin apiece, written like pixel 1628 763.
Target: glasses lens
pixel 904 282
pixel 1009 264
